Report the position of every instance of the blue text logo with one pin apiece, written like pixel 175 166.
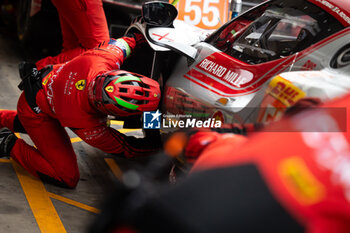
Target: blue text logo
pixel 151 120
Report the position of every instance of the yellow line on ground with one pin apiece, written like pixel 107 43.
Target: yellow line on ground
pixel 114 167
pixel 77 139
pixel 5 161
pixel 114 122
pixel 40 202
pixel 74 203
pixel 127 130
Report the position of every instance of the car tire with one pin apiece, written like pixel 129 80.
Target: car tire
pixel 341 58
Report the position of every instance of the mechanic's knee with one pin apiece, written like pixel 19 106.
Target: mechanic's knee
pixel 71 180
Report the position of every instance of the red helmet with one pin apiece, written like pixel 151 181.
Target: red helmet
pixel 124 93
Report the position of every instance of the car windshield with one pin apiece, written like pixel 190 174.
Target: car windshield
pixel 277 30
pixel 276 34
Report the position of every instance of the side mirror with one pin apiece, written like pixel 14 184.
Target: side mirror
pixel 161 14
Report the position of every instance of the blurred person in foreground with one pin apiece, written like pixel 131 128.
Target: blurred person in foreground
pixel 78 94
pixel 291 178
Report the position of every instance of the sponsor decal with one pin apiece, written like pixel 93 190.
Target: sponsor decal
pixel 70 83
pixel 280 95
pixel 46 78
pixel 160 37
pixel 332 156
pixel 309 65
pixel 285 91
pixel 226 76
pixel 109 89
pixel 155 120
pixel 213 68
pixel 94 134
pixel 335 9
pixel 37 110
pixel 80 85
pixel 49 91
pixel 300 181
pixel 235 77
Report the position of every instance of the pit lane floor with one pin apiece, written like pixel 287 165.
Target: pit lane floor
pixel 30 206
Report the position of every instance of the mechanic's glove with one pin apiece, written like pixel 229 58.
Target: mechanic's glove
pixel 197 143
pixel 186 146
pixel 175 147
pixel 139 38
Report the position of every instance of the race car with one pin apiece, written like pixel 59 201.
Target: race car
pixel 331 82
pixel 233 67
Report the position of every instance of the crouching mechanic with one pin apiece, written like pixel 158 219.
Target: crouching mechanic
pixel 78 94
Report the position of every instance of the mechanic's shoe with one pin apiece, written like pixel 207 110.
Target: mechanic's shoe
pixel 7 141
pixel 25 68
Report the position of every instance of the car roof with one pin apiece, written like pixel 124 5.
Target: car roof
pixel 340 9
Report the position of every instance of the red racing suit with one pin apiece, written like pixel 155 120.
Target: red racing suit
pixel 63 101
pixel 306 167
pixel 83 25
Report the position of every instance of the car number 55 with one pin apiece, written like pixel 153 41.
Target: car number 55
pixel 206 14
